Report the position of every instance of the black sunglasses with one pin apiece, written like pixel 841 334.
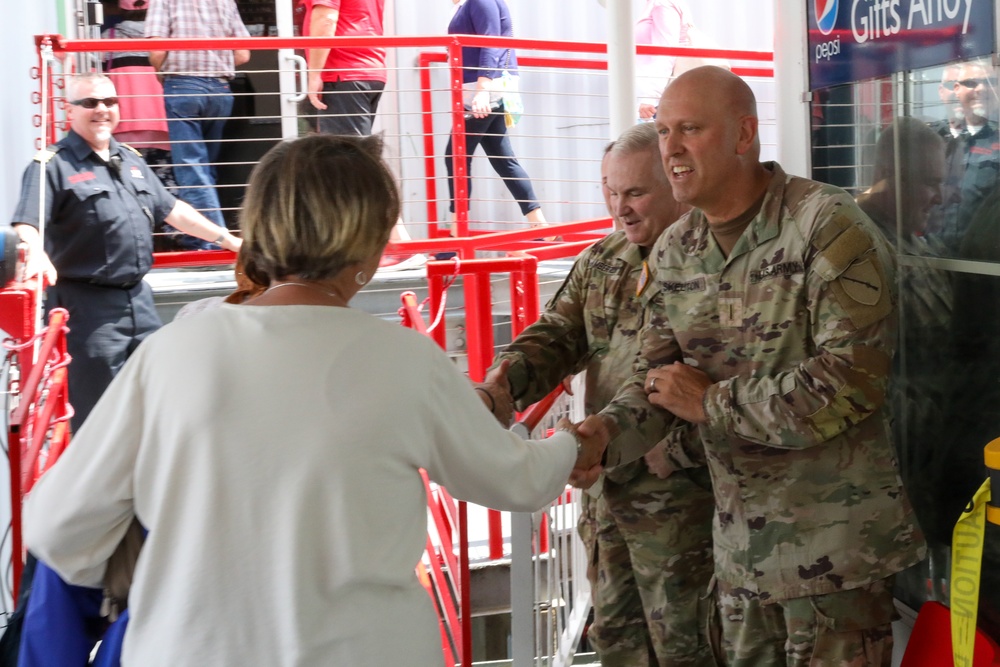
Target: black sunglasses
pixel 972 83
pixel 92 102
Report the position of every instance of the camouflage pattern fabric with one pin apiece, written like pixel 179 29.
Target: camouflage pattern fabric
pixel 796 328
pixel 592 323
pixel 654 547
pixel 846 629
pixel 586 528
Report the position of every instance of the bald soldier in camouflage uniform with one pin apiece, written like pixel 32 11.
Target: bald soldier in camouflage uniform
pixel 771 327
pixel 653 535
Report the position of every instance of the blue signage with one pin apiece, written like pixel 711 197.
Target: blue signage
pixel 853 40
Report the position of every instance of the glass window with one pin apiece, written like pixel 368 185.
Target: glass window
pixel 920 151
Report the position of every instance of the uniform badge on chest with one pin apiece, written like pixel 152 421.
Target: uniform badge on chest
pixel 731 313
pixel 643 279
pixel 135 172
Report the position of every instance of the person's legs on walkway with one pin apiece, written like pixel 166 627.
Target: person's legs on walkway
pixel 667 524
pixel 497 146
pixel 619 632
pixel 197 110
pixel 474 128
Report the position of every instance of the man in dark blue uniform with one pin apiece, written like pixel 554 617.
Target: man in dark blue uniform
pixel 101 203
pixel 972 154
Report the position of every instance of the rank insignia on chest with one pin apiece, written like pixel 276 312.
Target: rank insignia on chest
pixel 643 279
pixel 135 172
pixel 731 313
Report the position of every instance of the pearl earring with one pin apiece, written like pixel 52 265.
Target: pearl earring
pixel 361 278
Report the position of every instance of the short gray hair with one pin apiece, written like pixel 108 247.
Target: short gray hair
pixel 74 82
pixel 639 138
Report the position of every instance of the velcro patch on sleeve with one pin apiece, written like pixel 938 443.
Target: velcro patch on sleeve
pixel 841 252
pixel 862 292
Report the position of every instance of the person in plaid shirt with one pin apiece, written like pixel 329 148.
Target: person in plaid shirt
pixel 196 94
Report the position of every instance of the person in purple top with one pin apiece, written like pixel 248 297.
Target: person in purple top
pixel 483 68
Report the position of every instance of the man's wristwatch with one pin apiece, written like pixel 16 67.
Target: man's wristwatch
pixel 579 442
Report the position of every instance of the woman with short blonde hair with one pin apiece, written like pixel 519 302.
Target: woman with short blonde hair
pixel 273 449
pixel 296 223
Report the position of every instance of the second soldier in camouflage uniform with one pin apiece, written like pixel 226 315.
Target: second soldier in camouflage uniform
pixel 653 535
pixel 771 327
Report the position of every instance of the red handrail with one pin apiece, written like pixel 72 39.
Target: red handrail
pixel 43 408
pixel 57 319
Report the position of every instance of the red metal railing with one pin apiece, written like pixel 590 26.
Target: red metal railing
pixel 450 54
pixel 524 302
pixel 453 59
pixel 39 423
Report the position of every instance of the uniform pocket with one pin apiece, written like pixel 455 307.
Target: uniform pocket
pixel 857 609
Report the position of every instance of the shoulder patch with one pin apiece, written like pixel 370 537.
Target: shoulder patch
pixel 839 248
pixel 862 291
pixel 862 282
pixel 134 150
pixel 46 154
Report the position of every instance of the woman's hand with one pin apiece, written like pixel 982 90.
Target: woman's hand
pixel 481 104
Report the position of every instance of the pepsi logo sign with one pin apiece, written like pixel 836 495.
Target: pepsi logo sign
pixel 826 15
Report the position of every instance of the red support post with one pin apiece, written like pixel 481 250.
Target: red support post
pixel 430 169
pixel 459 170
pixel 435 288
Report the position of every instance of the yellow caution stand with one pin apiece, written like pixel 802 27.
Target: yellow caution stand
pixel 993 466
pixel 967 559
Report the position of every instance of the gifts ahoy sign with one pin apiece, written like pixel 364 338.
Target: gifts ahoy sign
pixel 853 40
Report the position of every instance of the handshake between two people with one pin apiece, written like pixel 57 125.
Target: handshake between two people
pixel 592 434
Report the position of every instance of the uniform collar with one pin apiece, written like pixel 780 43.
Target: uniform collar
pixel 627 252
pixel 81 149
pixel 764 227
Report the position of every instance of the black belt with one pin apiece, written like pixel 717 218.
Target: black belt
pixel 129 61
pixel 94 283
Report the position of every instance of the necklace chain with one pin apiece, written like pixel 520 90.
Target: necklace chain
pixel 307 286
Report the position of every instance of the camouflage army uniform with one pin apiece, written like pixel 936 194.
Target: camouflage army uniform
pixel 653 535
pixel 796 328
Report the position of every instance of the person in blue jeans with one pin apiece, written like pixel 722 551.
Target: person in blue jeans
pixel 196 94
pixel 483 68
pixel 197 109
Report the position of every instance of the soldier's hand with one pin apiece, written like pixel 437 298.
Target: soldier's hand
pixel 657 461
pixel 584 479
pixel 495 392
pixel 595 436
pixel 590 449
pixel 680 389
pixel 567 384
pixel 646 111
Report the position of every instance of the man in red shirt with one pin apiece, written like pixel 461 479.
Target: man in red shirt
pixel 345 84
